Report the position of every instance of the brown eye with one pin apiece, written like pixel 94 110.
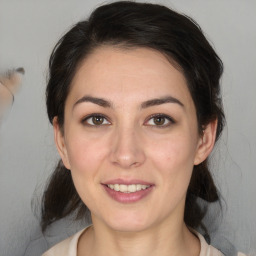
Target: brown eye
pixel 96 120
pixel 159 120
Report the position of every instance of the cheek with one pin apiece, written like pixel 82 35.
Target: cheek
pixel 86 156
pixel 173 151
pixel 85 153
pixel 174 160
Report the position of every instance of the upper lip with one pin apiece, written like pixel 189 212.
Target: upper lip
pixel 127 182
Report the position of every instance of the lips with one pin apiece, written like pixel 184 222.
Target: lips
pixel 125 191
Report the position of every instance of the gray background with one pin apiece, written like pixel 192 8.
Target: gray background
pixel 28 32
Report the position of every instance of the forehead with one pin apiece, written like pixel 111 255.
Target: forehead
pixel 118 73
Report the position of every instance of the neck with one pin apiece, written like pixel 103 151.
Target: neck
pixel 163 239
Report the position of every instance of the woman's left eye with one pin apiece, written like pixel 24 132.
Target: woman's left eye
pixel 159 120
pixel 96 120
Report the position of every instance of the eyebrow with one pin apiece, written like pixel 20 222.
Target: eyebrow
pixel 98 101
pixel 149 103
pixel 160 101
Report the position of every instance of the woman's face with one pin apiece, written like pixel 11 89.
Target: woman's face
pixel 130 138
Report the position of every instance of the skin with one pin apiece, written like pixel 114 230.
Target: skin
pixel 6 99
pixel 131 144
pixel 9 85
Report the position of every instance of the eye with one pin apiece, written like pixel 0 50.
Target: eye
pixel 95 120
pixel 160 120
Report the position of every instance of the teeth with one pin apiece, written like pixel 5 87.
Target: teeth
pixel 123 188
pixel 128 188
pixel 111 186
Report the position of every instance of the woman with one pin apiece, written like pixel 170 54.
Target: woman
pixel 134 99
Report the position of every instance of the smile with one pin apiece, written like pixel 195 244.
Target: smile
pixel 128 193
pixel 128 188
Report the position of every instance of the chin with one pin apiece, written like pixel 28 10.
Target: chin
pixel 128 223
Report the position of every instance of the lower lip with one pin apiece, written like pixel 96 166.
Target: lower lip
pixel 127 197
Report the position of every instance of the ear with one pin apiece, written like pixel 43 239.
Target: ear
pixel 60 142
pixel 206 142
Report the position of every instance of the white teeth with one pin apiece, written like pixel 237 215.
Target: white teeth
pixel 116 187
pixel 123 188
pixel 144 186
pixel 138 187
pixel 111 186
pixel 128 188
pixel 131 188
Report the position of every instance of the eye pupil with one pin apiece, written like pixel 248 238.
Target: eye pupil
pixel 97 120
pixel 159 120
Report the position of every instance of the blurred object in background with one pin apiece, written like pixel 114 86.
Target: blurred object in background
pixel 9 84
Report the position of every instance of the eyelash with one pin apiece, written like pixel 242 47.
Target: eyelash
pixel 85 120
pixel 166 117
pixel 105 119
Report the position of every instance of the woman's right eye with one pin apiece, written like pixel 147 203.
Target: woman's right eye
pixel 95 120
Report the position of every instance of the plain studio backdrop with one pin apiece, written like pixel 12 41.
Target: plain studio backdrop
pixel 29 30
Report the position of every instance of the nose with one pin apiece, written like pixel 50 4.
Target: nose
pixel 127 149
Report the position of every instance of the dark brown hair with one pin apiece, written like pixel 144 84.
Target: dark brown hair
pixel 130 24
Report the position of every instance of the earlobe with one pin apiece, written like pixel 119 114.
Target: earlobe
pixel 206 142
pixel 60 142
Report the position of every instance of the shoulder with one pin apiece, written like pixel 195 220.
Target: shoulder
pixel 67 247
pixel 209 250
pixel 206 249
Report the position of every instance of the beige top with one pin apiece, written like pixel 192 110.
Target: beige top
pixel 68 247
